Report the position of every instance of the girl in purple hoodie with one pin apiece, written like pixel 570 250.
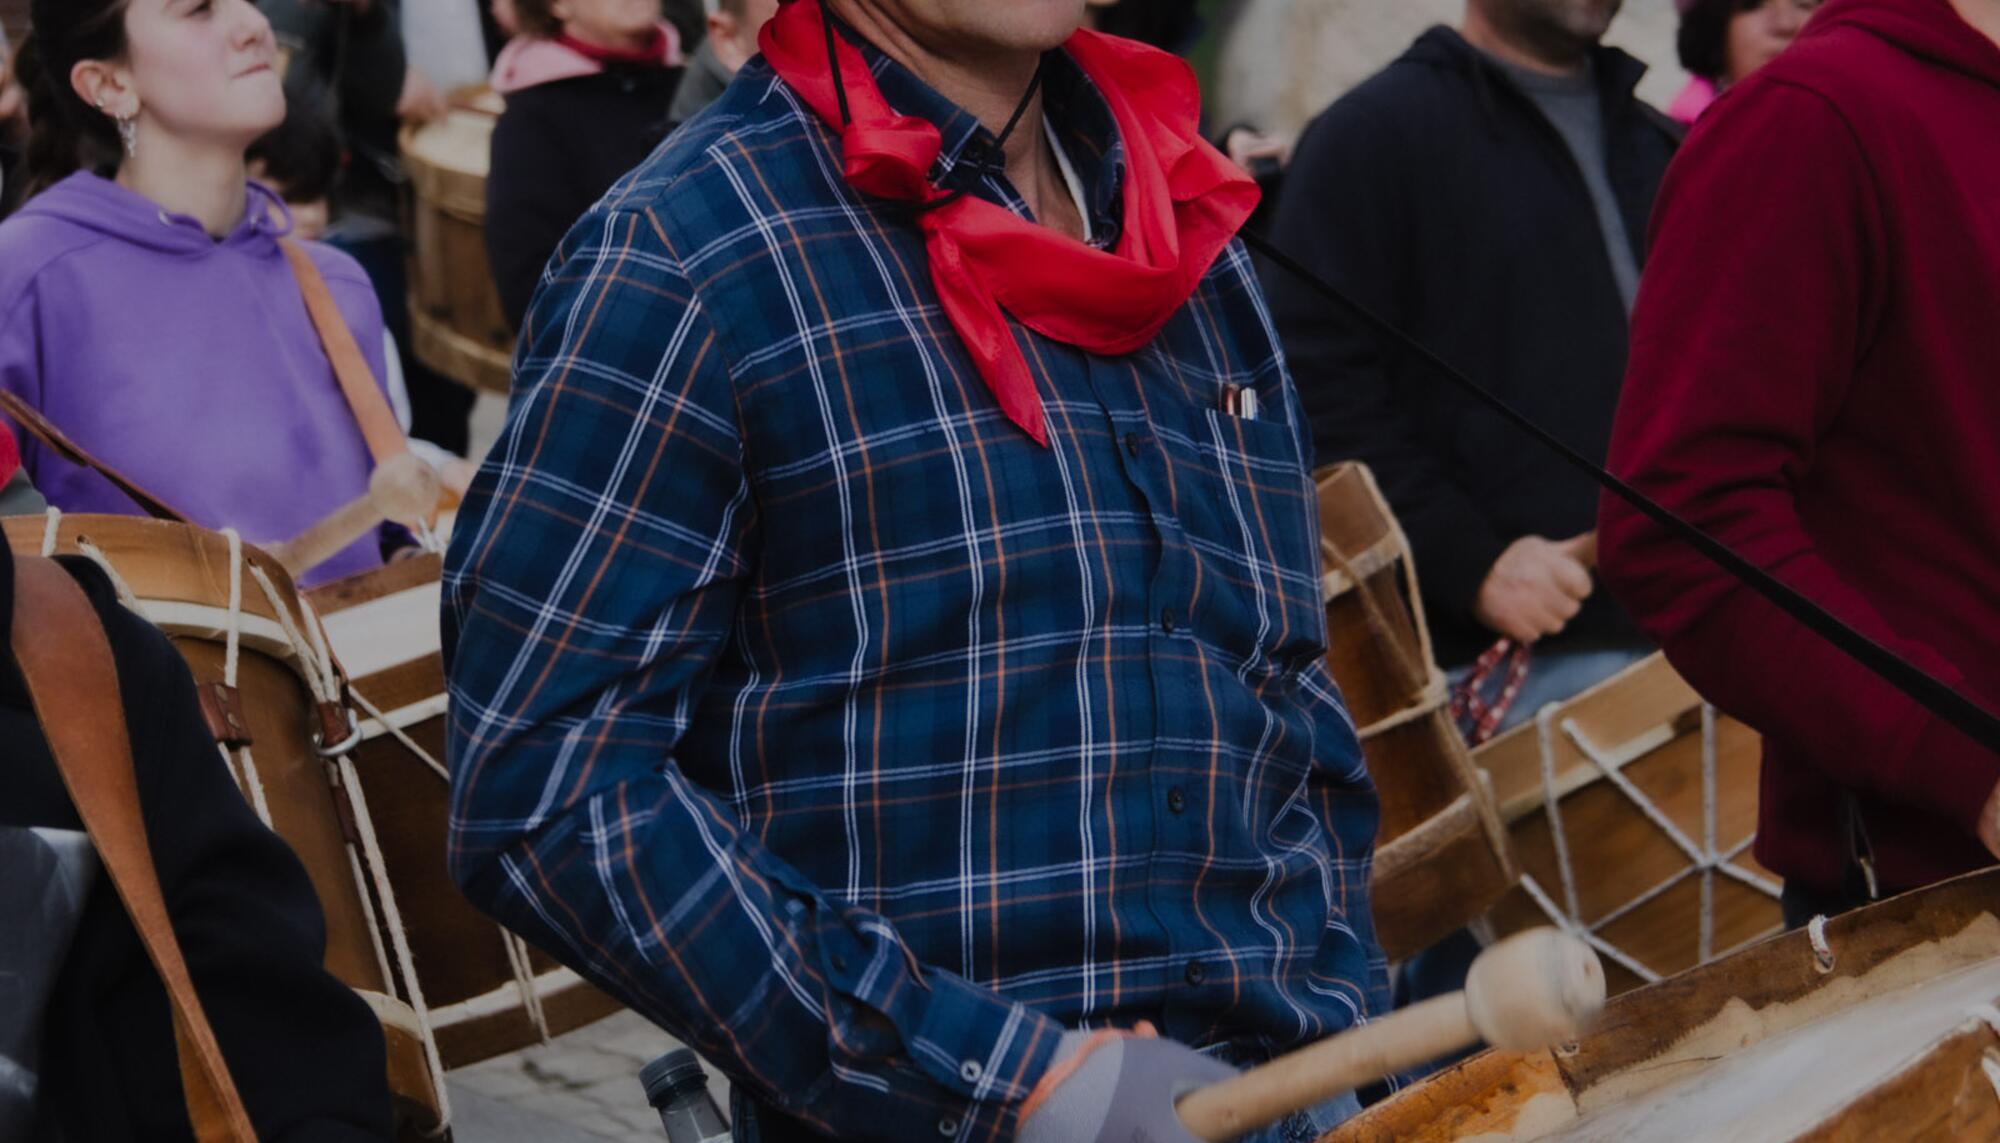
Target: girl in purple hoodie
pixel 146 307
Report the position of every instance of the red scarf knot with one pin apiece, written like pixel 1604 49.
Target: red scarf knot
pixel 1183 203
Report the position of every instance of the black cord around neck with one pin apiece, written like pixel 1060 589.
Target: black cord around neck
pixel 996 164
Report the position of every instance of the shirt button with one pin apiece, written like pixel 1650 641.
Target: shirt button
pixel 1177 800
pixel 970 1071
pixel 1197 972
pixel 948 1128
pixel 1133 444
pixel 1169 621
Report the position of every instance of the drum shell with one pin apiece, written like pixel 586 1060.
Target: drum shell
pixel 461 956
pixel 1651 724
pixel 457 325
pixel 180 574
pixel 1441 854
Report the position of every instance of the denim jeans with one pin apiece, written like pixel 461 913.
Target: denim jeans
pixel 1555 675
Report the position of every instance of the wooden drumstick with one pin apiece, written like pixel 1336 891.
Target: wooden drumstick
pixel 402 488
pixel 1532 990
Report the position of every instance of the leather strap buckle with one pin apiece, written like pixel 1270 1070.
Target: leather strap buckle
pixel 339 730
pixel 222 709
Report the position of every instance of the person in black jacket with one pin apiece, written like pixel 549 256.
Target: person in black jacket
pixel 588 97
pixel 306 1053
pixel 1488 192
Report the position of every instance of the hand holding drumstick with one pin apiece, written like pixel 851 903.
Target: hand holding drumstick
pixel 402 488
pixel 1531 990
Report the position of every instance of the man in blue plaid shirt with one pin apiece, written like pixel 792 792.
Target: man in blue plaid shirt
pixel 804 701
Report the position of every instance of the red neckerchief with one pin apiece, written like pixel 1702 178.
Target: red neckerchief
pixel 654 54
pixel 1183 203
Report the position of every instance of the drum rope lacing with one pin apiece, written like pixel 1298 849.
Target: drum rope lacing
pixel 252 782
pixel 516 947
pixel 1706 860
pixel 323 679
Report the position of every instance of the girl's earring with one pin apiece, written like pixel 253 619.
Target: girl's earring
pixel 128 133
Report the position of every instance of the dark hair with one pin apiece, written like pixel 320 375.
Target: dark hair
pixel 301 155
pixel 1171 25
pixel 537 18
pixel 1704 36
pixel 68 134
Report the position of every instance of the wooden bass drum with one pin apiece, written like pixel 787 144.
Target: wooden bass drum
pixel 1632 808
pixel 489 992
pixel 456 323
pixel 1442 855
pixel 271 700
pixel 1883 1024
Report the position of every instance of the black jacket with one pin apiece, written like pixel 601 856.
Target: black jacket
pixel 558 147
pixel 1439 195
pixel 306 1053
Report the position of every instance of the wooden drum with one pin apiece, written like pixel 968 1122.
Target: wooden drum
pixel 489 993
pixel 456 323
pixel 1442 856
pixel 1883 1024
pixel 234 615
pixel 1646 853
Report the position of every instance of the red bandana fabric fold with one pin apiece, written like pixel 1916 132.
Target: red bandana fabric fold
pixel 10 456
pixel 1183 203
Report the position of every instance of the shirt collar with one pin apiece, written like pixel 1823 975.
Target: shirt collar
pixel 1077 111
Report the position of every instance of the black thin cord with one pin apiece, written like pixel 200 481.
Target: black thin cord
pixel 991 166
pixel 833 65
pixel 1975 721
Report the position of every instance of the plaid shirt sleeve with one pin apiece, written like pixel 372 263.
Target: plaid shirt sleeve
pixel 593 581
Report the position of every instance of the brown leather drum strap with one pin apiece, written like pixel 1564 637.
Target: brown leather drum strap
pixel 45 431
pixel 357 383
pixel 73 682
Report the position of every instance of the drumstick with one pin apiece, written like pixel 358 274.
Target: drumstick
pixel 1532 990
pixel 402 488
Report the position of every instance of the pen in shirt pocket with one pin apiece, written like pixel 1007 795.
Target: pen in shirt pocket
pixel 1240 401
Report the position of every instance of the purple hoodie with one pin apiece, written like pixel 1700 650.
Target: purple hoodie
pixel 187 363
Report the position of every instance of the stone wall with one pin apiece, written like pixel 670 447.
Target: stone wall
pixel 1284 60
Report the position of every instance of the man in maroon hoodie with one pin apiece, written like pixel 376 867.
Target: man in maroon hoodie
pixel 1815 380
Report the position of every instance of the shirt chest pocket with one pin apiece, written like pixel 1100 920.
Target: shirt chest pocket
pixel 1253 527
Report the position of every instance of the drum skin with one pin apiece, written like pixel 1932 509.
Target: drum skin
pixel 1709 1021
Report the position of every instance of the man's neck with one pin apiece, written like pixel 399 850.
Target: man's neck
pixel 1521 51
pixel 985 82
pixel 1984 15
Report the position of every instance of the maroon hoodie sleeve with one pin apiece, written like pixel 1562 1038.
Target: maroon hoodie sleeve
pixel 1761 295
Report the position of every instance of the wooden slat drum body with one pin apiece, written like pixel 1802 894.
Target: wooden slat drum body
pixel 456 323
pixel 1891 1035
pixel 1656 798
pixel 384 629
pixel 181 578
pixel 1441 856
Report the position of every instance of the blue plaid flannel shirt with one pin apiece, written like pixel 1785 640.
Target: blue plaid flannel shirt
pixel 807 705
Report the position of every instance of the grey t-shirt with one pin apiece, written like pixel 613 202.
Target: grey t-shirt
pixel 1574 108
